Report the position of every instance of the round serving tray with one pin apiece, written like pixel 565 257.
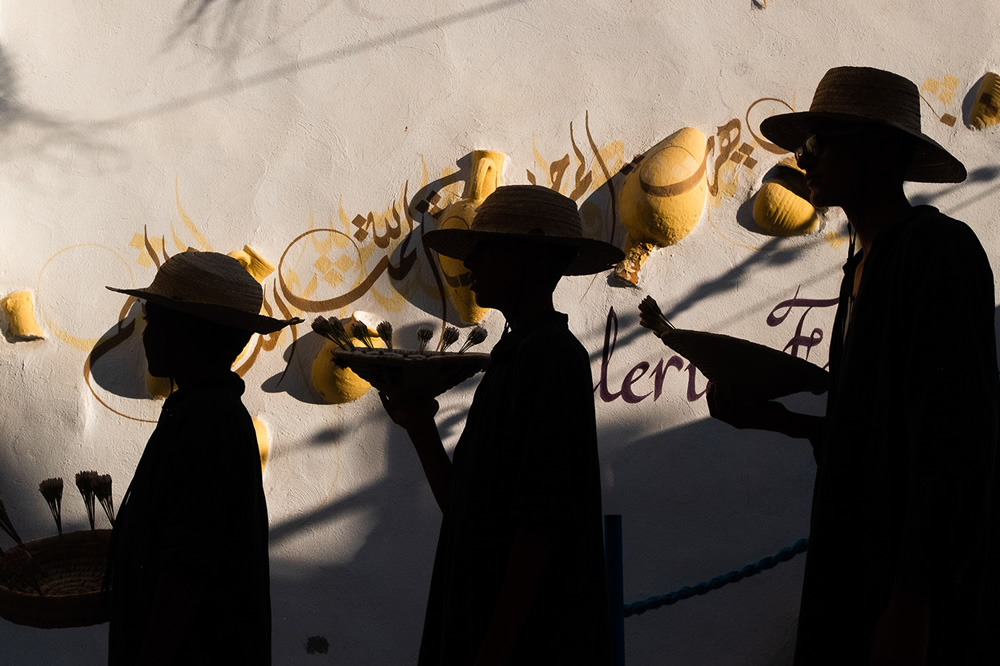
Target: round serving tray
pixel 68 570
pixel 748 366
pixel 404 371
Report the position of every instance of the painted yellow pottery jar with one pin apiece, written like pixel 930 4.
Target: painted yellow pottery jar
pixel 781 206
pixel 484 178
pixel 663 198
pixel 985 110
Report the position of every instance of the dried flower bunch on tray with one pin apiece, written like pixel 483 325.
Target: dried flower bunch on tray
pixel 766 373
pixel 393 370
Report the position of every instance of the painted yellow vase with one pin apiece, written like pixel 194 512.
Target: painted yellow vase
pixel 487 166
pixel 337 385
pixel 985 110
pixel 663 198
pixel 780 207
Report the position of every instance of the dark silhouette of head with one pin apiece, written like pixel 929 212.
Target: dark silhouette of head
pixel 848 163
pixel 508 272
pixel 180 345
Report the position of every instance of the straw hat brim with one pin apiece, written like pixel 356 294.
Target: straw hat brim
pixel 930 163
pixel 219 314
pixel 593 256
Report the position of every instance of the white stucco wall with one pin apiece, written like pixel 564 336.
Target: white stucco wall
pixel 253 122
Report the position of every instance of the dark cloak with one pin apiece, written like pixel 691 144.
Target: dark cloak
pixel 196 505
pixel 905 467
pixel 527 457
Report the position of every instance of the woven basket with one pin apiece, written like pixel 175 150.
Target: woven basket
pixel 766 373
pixel 69 570
pixel 429 374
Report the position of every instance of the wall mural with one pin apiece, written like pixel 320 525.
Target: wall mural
pixel 262 129
pixel 659 196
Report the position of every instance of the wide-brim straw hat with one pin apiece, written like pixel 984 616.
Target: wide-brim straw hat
pixel 210 286
pixel 872 97
pixel 531 213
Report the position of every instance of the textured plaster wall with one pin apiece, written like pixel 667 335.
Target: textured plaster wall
pixel 219 124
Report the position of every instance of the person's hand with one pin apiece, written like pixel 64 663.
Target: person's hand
pixel 410 411
pixel 902 633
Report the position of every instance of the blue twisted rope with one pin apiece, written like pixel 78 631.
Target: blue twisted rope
pixel 783 555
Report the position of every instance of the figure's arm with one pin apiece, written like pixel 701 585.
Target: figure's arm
pixel 740 411
pixel 416 416
pixel 529 556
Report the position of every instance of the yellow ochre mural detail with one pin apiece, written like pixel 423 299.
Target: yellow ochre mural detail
pixel 663 198
pixel 256 265
pixel 781 207
pixel 19 308
pixel 484 178
pixel 263 442
pixel 985 110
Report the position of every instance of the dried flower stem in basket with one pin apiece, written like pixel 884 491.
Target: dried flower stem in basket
pixel 8 526
pixel 85 482
pixel 102 488
pixel 52 491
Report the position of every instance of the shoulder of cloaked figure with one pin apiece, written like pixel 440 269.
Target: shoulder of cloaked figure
pixel 946 239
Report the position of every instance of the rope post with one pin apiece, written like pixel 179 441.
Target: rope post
pixel 616 586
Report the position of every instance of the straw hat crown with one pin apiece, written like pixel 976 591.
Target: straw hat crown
pixel 211 286
pixel 532 213
pixel 869 96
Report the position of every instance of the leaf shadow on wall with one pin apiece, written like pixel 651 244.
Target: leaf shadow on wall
pixel 298 65
pixel 226 26
pixel 55 144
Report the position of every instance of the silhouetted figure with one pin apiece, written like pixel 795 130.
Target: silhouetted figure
pixel 519 573
pixel 897 564
pixel 188 566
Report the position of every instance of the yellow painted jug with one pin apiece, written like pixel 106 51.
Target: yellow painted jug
pixel 663 198
pixel 985 110
pixel 782 207
pixel 484 178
